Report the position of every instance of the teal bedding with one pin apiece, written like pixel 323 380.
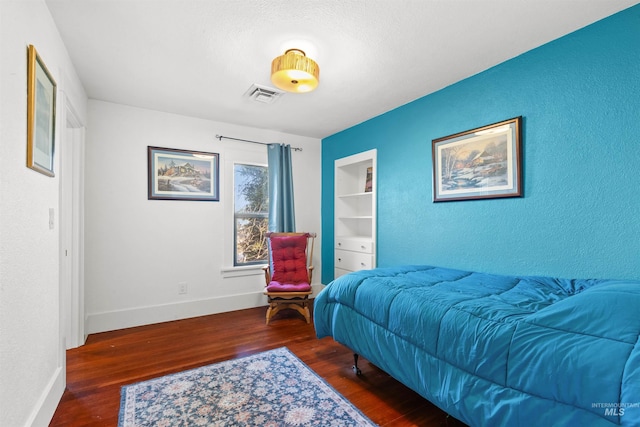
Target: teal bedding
pixel 496 350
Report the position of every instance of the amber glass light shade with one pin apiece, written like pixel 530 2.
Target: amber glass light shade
pixel 295 72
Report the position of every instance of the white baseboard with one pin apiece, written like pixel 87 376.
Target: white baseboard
pixel 48 401
pixel 120 319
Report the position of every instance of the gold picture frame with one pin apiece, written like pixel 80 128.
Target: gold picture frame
pixel 41 114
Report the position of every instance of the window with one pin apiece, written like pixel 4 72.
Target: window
pixel 250 214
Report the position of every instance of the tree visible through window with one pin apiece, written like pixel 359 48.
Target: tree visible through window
pixel 251 213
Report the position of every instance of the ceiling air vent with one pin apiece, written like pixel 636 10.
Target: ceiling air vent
pixel 266 95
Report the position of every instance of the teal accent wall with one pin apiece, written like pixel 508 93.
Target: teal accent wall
pixel 579 97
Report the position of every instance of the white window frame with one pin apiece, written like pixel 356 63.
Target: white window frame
pixel 235 231
pixel 251 155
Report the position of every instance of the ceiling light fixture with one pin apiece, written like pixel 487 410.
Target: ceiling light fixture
pixel 295 72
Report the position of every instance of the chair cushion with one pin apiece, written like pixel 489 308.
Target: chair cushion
pixel 289 260
pixel 288 287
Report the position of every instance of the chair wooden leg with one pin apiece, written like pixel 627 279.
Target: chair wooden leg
pixel 302 310
pixel 300 306
pixel 269 310
pixel 273 309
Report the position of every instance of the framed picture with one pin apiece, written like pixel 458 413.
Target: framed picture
pixel 41 114
pixel 480 163
pixel 368 183
pixel 183 175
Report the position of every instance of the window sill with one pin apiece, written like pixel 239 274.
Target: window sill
pixel 245 270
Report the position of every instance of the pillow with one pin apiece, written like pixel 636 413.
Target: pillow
pixel 289 259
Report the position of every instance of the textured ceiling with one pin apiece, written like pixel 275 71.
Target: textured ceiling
pixel 199 57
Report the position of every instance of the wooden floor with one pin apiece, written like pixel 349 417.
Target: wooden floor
pixel 109 360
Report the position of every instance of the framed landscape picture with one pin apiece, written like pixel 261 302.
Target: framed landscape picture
pixel 183 175
pixel 41 114
pixel 480 163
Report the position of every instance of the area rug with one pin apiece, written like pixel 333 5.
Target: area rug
pixel 273 388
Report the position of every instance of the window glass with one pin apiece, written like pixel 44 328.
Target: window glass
pixel 251 214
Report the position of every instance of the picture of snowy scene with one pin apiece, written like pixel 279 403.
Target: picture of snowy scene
pixel 480 163
pixel 175 174
pixel 182 175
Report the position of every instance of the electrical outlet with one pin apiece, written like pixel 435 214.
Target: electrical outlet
pixel 183 289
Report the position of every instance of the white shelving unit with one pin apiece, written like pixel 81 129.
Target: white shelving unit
pixel 355 213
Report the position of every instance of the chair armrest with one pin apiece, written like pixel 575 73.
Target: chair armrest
pixel 267 274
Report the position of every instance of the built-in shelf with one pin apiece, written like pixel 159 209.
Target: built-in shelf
pixel 355 213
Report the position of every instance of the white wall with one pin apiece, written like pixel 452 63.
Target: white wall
pixel 131 273
pixel 138 250
pixel 31 344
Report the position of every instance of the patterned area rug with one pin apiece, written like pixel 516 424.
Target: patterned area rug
pixel 271 389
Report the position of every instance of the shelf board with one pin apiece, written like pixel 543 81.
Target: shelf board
pixel 363 194
pixel 356 217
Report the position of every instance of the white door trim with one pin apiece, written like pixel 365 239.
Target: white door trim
pixel 72 229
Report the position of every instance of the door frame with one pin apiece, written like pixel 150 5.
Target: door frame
pixel 71 220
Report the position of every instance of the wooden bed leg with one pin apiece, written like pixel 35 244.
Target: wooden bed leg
pixel 355 365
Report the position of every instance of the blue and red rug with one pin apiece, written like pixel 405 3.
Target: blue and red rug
pixel 273 388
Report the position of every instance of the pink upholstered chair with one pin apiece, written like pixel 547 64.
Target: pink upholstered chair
pixel 288 275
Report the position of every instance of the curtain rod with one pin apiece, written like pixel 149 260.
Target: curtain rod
pixel 219 137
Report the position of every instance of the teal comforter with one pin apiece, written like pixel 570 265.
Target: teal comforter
pixel 496 350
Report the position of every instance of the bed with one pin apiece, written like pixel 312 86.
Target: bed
pixel 495 350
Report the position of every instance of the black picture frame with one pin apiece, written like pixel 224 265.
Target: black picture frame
pixel 480 163
pixel 175 174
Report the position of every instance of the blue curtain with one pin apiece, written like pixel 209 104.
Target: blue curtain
pixel 281 208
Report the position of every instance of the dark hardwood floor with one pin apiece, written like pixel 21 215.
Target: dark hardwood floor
pixel 109 360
